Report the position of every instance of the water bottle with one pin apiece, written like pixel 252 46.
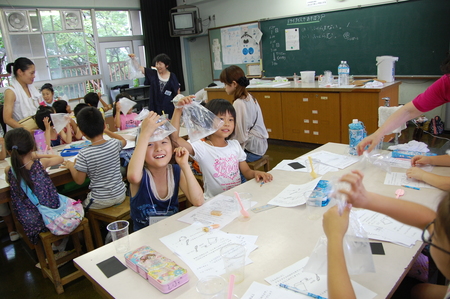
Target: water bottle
pixel 343 73
pixel 39 138
pixel 356 132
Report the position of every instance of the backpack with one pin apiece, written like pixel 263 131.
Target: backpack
pixel 436 125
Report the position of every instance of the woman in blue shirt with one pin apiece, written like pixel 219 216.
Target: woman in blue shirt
pixel 164 84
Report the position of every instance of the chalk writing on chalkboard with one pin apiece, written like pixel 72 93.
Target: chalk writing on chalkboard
pixel 410 30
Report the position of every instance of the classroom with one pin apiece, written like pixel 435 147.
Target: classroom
pixel 307 125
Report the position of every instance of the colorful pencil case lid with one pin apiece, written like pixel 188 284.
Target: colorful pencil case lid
pixel 160 271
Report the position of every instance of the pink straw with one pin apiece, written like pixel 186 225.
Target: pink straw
pixel 230 287
pixel 243 211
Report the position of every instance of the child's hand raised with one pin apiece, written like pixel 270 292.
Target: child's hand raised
pixel 181 155
pixel 150 124
pixel 46 121
pixel 184 101
pixel 262 176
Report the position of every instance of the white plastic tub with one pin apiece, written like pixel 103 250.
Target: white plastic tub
pixel 308 76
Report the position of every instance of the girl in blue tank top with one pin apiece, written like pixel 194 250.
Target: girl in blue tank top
pixel 154 181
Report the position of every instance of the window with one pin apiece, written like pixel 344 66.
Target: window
pixel 63 46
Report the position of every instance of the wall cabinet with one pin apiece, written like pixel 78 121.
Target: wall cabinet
pixel 317 115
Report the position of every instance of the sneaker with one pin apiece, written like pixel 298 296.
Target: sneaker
pixel 14 236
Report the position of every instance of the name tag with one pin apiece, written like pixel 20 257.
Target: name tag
pixel 167 92
pixel 154 219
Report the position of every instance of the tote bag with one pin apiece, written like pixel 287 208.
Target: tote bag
pixel 62 220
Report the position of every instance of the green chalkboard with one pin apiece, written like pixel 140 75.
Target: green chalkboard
pixel 234 45
pixel 418 32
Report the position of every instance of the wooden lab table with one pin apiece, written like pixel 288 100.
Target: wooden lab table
pixel 285 236
pixel 312 113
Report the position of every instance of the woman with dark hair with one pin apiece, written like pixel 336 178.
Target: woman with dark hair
pixel 21 97
pixel 250 130
pixel 435 95
pixel 164 84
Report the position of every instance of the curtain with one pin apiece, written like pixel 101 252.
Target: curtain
pixel 157 40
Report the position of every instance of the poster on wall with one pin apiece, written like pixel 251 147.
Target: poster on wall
pixel 240 44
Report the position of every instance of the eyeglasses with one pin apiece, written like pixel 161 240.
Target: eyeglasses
pixel 426 237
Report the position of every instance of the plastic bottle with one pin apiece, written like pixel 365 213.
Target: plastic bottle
pixel 356 133
pixel 295 79
pixel 343 73
pixel 39 138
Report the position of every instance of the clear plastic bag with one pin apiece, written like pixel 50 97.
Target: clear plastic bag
pixel 142 115
pixel 377 159
pixel 358 255
pixel 133 70
pixel 60 121
pixel 125 105
pixel 161 132
pixel 199 121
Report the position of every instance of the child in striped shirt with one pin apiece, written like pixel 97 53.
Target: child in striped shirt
pixel 100 161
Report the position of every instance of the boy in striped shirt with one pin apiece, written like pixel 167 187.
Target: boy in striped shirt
pixel 100 161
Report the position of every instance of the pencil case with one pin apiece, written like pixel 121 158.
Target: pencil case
pixel 69 152
pixel 409 154
pixel 161 272
pixel 81 145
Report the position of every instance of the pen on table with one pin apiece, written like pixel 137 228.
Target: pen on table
pixel 411 187
pixel 210 227
pixel 262 183
pixel 294 289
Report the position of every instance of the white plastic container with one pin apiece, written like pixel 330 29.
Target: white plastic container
pixel 308 76
pixel 386 68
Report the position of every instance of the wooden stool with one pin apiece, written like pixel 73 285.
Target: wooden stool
pixel 49 267
pixel 264 161
pixel 108 215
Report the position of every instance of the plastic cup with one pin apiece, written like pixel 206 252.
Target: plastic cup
pixel 233 256
pixel 314 205
pixel 119 234
pixel 246 199
pixel 212 286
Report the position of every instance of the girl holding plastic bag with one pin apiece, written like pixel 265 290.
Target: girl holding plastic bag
pixel 435 226
pixel 250 130
pixel 45 123
pixel 220 158
pixel 154 181
pixel 124 118
pixel 30 167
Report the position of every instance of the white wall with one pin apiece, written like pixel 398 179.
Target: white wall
pixel 228 12
pixel 109 4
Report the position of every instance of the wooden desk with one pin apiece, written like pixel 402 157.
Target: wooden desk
pixel 285 236
pixel 309 113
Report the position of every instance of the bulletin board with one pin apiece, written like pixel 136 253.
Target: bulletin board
pixel 239 45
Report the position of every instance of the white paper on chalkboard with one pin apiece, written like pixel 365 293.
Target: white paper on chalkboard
pixel 292 39
pixel 253 70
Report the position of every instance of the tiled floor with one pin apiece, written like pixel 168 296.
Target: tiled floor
pixel 21 279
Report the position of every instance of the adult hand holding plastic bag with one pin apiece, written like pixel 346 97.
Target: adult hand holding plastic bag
pixel 134 71
pixel 60 121
pixel 199 121
pixel 125 105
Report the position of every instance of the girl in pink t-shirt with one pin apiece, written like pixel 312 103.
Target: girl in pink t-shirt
pixel 124 121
